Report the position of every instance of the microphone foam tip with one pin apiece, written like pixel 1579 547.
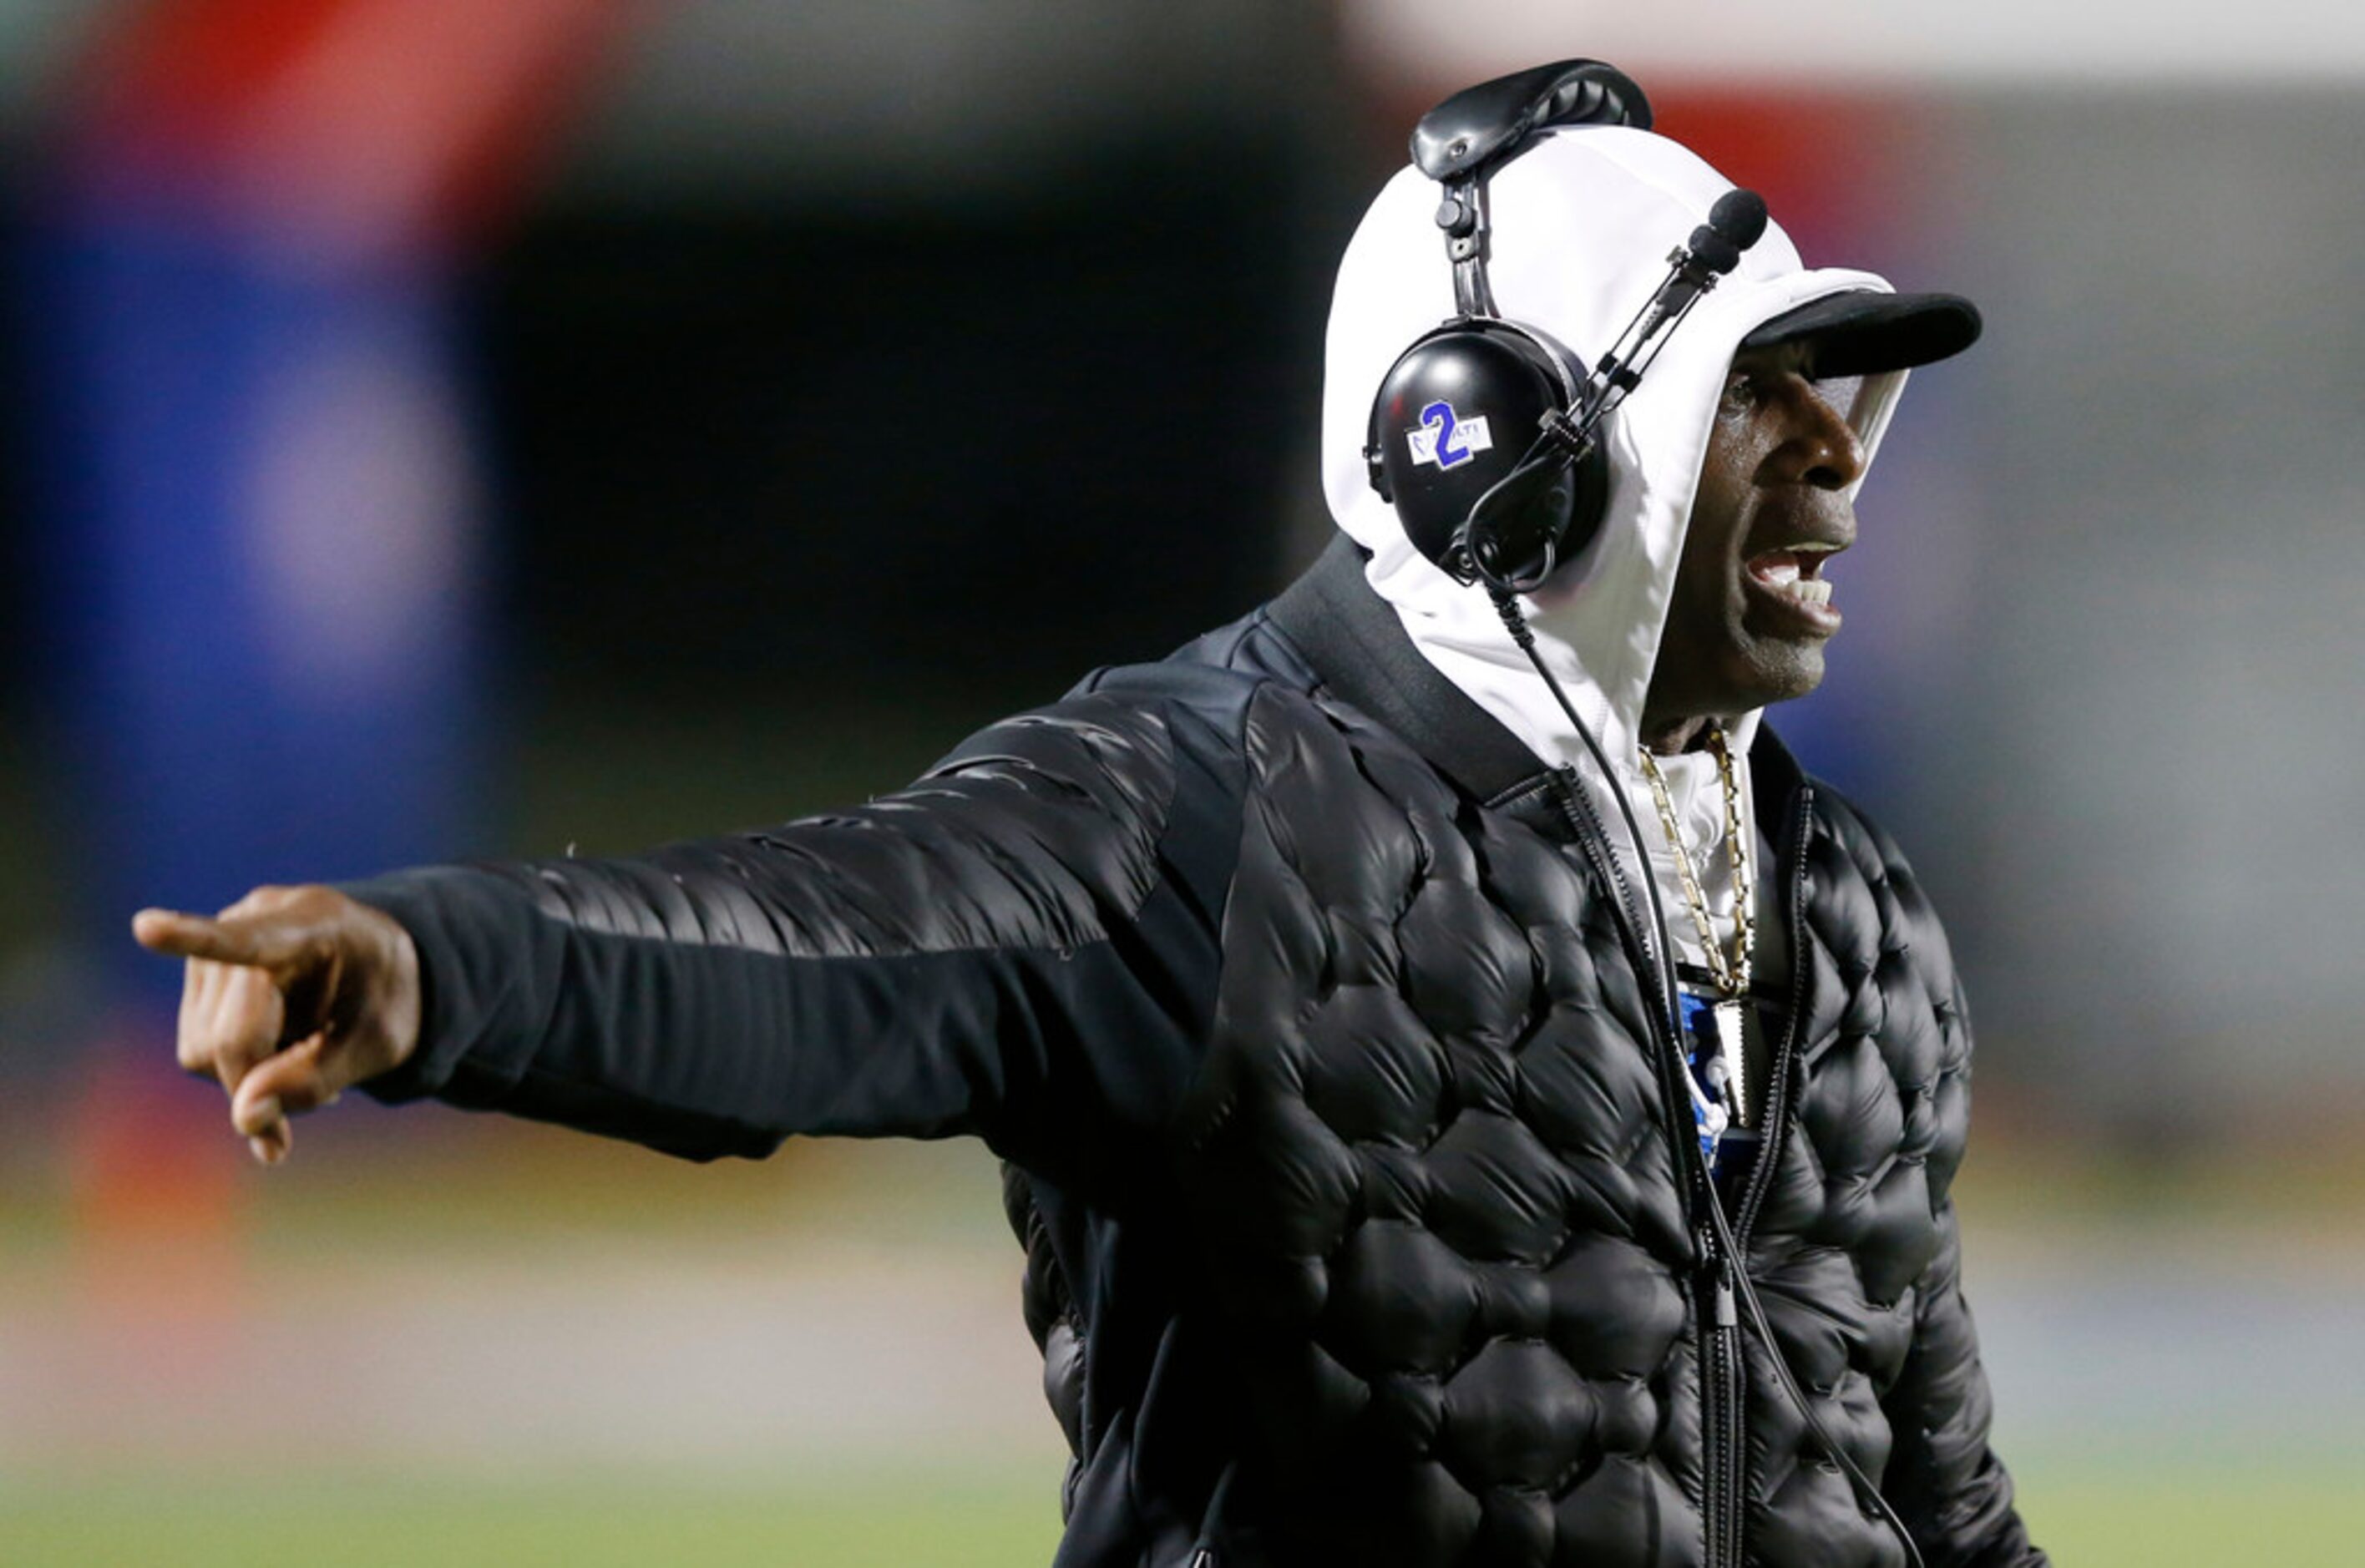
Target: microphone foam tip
pixel 1740 215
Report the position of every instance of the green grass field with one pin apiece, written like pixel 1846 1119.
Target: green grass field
pixel 130 1458
pixel 870 1522
pixel 962 1519
pixel 2304 1518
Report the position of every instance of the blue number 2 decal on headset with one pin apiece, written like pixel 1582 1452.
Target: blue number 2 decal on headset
pixel 1446 439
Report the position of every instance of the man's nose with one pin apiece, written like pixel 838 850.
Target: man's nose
pixel 1821 447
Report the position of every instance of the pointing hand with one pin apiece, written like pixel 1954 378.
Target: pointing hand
pixel 290 995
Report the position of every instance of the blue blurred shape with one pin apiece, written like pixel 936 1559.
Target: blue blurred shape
pixel 262 542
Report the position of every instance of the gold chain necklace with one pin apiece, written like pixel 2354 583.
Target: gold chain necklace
pixel 1731 973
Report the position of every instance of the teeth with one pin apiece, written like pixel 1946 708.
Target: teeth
pixel 1782 572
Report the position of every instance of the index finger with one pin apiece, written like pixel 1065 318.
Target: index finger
pixel 232 941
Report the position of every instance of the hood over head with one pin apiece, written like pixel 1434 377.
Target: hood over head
pixel 1581 223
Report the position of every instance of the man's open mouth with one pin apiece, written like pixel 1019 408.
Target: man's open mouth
pixel 1795 571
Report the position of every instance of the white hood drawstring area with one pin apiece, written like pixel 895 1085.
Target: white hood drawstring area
pixel 1581 222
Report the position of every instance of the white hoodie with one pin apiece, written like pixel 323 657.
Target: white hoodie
pixel 1581 223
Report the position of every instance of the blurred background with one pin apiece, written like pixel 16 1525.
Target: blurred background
pixel 433 429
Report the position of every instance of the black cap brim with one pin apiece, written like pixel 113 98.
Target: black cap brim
pixel 1862 331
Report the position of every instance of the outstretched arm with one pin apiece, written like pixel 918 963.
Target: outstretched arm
pixel 1020 944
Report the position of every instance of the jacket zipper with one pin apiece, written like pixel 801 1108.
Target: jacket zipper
pixel 1724 1417
pixel 1722 1436
pixel 1673 1096
pixel 1593 838
pixel 1777 1081
pixel 1724 1375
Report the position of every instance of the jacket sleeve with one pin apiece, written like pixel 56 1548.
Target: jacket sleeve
pixel 1022 945
pixel 1943 1479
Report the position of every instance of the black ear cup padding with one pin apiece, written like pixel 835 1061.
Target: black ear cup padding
pixel 1544 514
pixel 1454 417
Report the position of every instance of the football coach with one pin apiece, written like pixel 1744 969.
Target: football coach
pixel 1467 1097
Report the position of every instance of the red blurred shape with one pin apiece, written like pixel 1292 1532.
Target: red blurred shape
pixel 1830 166
pixel 154 1196
pixel 179 72
pixel 354 123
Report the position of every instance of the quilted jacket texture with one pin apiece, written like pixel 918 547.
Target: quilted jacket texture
pixel 1362 1222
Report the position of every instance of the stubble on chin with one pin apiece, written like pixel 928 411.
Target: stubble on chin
pixel 1775 670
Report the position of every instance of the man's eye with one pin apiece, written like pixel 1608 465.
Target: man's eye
pixel 1740 393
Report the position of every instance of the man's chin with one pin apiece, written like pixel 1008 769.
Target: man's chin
pixel 1778 671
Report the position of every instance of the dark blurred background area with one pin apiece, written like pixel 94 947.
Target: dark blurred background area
pixel 792 378
pixel 432 430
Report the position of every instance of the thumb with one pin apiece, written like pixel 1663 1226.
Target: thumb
pixel 305 1077
pixel 258 941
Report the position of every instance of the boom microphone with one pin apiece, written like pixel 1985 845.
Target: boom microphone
pixel 1713 250
pixel 1740 217
pixel 1734 223
pixel 1497 537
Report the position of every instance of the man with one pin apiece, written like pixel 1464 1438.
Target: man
pixel 1391 1192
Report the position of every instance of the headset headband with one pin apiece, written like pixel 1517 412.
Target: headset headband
pixel 1465 139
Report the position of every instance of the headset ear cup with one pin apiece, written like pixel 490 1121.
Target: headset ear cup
pixel 1453 416
pixel 1544 515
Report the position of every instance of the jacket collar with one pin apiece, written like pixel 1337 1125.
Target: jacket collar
pixel 1359 653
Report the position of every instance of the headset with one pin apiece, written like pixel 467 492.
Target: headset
pixel 1485 435
pixel 1506 515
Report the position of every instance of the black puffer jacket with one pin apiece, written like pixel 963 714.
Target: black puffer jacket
pixel 1363 1224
